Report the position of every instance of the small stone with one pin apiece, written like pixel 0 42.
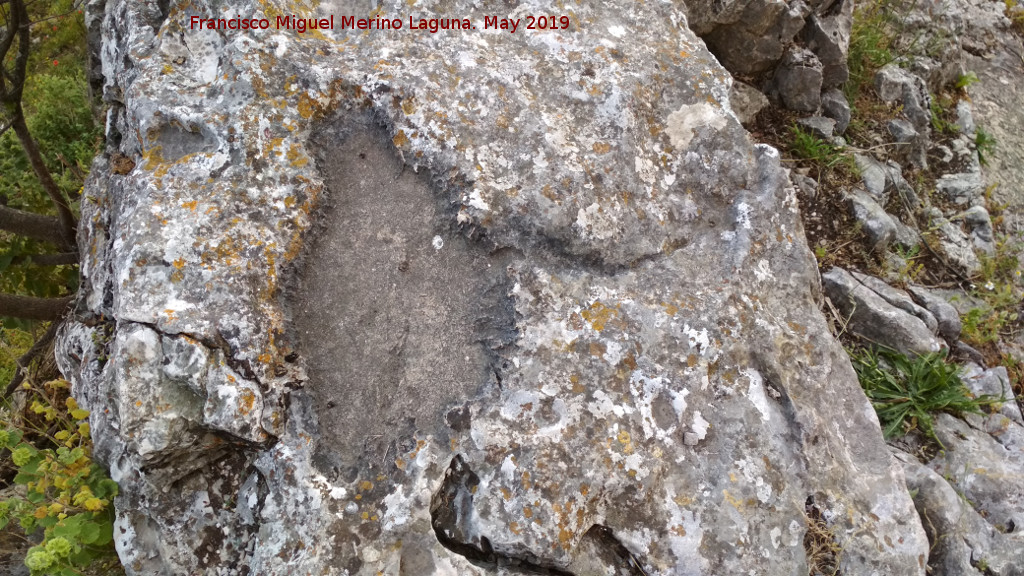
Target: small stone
pixel 819 126
pixel 895 182
pixel 691 438
pixel 994 382
pixel 979 225
pixel 835 106
pixel 873 174
pixel 878 226
pixel 964 118
pixel 902 132
pixel 944 312
pixel 808 186
pixel 746 101
pixel 798 80
pixel 944 153
pixel 955 245
pixel 894 84
pixel 960 188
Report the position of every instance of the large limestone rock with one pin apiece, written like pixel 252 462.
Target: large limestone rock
pixel 408 303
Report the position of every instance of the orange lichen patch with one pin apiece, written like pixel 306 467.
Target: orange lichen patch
pixel 527 512
pixel 734 501
pixel 246 401
pixel 408 105
pixel 691 360
pixel 191 205
pixel 597 349
pixel 506 493
pixel 153 157
pixel 179 263
pixel 599 315
pixel 307 106
pixel 399 463
pixel 670 309
pixel 514 527
pixel 627 442
pixel 526 480
pixel 296 157
pixel 678 530
pixel 683 500
pixel 400 139
pixel 365 486
pixel 565 537
pixel 602 147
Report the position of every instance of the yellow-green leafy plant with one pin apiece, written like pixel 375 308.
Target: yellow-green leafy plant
pixel 59 492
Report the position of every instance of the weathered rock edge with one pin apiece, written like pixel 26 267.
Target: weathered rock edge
pixel 679 304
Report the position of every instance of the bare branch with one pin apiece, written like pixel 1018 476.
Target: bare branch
pixel 31 308
pixel 31 225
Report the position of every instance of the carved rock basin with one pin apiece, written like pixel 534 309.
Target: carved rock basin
pixel 403 303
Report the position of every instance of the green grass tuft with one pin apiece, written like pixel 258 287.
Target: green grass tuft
pixel 905 392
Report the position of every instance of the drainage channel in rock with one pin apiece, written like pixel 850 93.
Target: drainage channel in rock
pixel 452 517
pixel 398 316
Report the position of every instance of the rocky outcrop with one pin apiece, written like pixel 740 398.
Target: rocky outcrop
pixel 412 303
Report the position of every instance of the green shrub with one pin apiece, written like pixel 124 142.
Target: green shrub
pixel 905 392
pixel 62 493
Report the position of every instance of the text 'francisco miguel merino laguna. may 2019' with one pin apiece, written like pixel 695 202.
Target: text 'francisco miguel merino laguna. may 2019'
pixel 431 25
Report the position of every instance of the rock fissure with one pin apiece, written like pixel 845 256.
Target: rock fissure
pixel 451 513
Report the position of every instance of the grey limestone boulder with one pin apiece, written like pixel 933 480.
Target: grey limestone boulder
pixel 473 302
pixel 946 315
pixel 798 80
pixel 963 543
pixel 954 244
pixel 819 126
pixel 747 36
pixel 835 106
pixel 897 85
pixel 874 176
pixel 879 227
pixel 989 474
pixel 868 315
pixel 979 226
pixel 746 101
pixel 963 188
pixel 828 35
pixel 994 382
pixel 899 299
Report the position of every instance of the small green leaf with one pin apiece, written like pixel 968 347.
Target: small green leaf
pixel 90 532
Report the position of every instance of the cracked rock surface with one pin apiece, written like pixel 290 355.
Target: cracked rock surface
pixel 563 306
